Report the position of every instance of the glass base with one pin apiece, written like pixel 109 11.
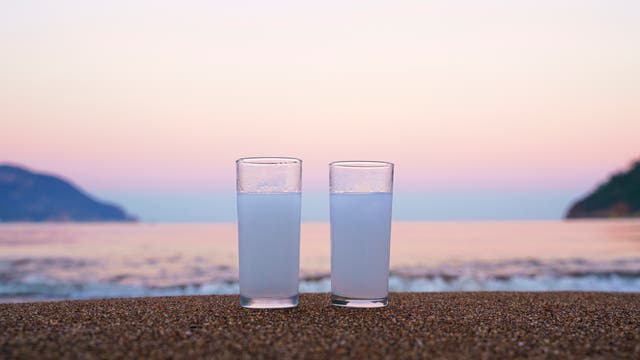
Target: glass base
pixel 358 303
pixel 269 303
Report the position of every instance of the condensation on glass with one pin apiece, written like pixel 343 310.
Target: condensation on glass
pixel 269 200
pixel 360 205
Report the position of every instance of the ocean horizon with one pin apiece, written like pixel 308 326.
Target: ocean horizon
pixel 450 205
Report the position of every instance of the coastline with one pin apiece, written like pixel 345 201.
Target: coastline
pixel 470 324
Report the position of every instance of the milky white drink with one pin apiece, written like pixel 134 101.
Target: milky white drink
pixel 269 245
pixel 360 237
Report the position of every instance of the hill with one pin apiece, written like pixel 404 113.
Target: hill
pixel 618 197
pixel 29 196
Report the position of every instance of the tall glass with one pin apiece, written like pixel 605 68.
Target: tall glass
pixel 269 231
pixel 361 196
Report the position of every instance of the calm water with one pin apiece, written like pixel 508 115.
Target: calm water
pixel 39 262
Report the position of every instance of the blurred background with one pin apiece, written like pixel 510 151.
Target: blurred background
pixel 499 116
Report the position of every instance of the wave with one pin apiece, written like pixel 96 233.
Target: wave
pixel 40 279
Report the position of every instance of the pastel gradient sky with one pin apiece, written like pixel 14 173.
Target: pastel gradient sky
pixel 461 95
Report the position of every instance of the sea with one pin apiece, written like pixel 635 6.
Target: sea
pixel 41 262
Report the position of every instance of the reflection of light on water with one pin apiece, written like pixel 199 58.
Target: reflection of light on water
pixel 46 261
pixel 624 230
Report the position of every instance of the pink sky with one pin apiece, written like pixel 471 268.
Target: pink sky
pixel 460 95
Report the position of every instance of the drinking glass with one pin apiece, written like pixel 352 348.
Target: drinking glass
pixel 268 194
pixel 361 196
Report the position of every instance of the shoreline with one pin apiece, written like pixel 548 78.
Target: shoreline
pixel 452 325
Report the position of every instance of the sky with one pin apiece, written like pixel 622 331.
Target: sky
pixel 503 105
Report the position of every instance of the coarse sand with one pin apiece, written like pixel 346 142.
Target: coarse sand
pixel 495 325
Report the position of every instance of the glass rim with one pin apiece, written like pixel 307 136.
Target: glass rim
pixel 366 164
pixel 269 160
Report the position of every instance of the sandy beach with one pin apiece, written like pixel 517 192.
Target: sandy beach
pixel 451 325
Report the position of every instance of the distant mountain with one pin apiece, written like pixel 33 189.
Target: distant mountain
pixel 618 197
pixel 28 196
